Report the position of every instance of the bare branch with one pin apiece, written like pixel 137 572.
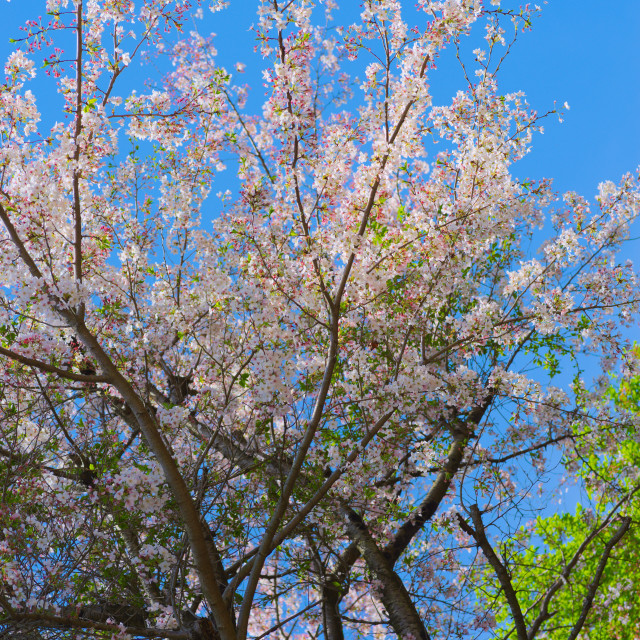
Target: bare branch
pixel 500 570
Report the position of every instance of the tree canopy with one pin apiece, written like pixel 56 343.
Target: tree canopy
pixel 335 399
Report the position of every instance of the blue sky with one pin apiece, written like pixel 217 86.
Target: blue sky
pixel 585 53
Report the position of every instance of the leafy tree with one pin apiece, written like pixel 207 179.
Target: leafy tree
pixel 579 568
pixel 322 412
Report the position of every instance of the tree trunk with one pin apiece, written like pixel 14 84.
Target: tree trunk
pixel 403 616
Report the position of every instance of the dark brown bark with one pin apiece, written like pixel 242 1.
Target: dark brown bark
pixel 403 615
pixel 333 590
pixel 479 535
pixel 35 623
pixel 129 615
pixel 429 506
pixel 394 549
pixel 331 620
pixel 463 431
pixel 199 537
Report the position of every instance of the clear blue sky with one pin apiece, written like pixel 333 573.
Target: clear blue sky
pixel 587 53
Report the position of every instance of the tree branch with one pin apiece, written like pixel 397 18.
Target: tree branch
pixel 394 549
pixel 595 582
pixel 292 525
pixel 68 622
pixel 49 368
pixel 500 570
pixel 544 614
pixel 403 616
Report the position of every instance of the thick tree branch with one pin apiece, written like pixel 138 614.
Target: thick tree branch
pixel 333 590
pixel 51 622
pixel 244 569
pixel 394 549
pixel 276 517
pixel 208 571
pixel 77 208
pixel 403 616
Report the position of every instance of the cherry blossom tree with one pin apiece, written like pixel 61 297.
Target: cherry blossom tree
pixel 324 404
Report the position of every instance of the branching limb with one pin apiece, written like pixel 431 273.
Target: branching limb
pixel 49 368
pixel 77 208
pixel 502 573
pixel 403 616
pixel 51 622
pixel 595 582
pixel 544 613
pixel 394 549
pixel 244 569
